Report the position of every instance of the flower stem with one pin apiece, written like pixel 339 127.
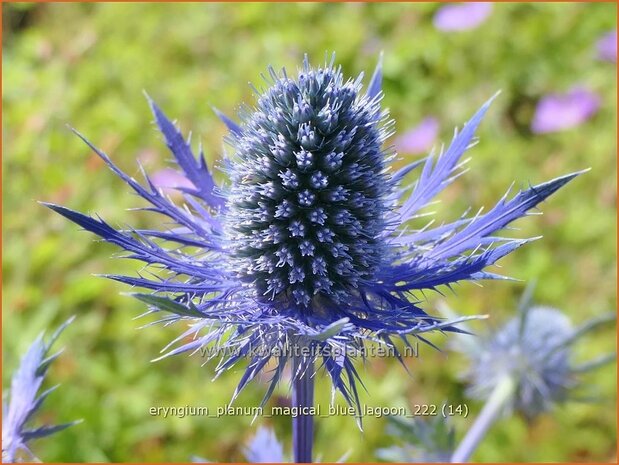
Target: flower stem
pixel 491 411
pixel 303 401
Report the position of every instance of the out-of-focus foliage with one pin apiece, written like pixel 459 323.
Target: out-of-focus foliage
pixel 419 440
pixel 87 64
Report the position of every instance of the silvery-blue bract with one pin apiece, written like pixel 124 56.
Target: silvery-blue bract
pixel 312 242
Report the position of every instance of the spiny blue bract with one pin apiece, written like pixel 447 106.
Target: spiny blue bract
pixel 25 401
pixel 307 202
pixel 314 243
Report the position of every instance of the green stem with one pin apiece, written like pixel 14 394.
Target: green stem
pixel 497 401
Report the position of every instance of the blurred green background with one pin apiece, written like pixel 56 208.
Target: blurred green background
pixel 87 64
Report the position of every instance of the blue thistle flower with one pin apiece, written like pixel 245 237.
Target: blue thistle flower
pixel 534 350
pixel 526 367
pixel 24 402
pixel 311 243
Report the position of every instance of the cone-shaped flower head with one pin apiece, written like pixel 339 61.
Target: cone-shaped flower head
pixel 308 199
pixel 313 243
pixel 535 350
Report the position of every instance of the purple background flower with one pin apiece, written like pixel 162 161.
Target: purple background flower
pixel 607 46
pixel 557 112
pixel 170 179
pixel 461 17
pixel 418 139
